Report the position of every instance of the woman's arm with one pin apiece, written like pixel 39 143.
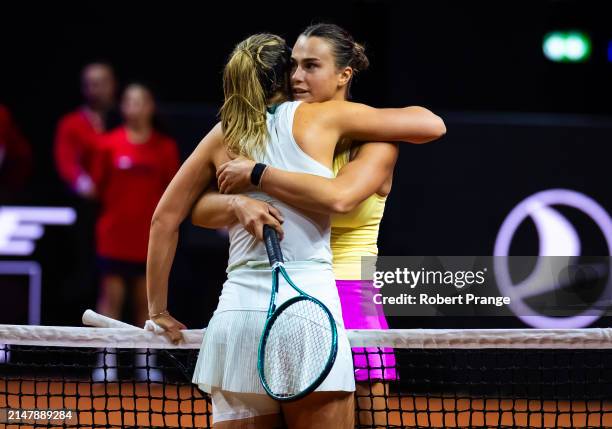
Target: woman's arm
pixel 194 176
pixel 317 127
pixel 355 182
pixel 214 210
pixel 412 124
pixel 316 124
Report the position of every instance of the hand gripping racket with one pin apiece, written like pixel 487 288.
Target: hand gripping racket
pixel 299 342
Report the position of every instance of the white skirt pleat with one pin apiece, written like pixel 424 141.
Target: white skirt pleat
pixel 228 356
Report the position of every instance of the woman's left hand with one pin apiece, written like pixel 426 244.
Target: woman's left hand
pixel 234 177
pixel 172 327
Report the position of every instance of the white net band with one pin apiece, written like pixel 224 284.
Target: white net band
pixel 65 336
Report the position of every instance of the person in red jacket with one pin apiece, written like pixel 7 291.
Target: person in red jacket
pixel 78 133
pixel 15 156
pixel 134 165
pixel 77 138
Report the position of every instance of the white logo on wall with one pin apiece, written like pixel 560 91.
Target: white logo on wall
pixel 20 227
pixel 557 237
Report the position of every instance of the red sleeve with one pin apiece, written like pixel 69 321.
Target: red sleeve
pixel 17 165
pixel 67 152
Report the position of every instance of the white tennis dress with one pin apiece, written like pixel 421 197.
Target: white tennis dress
pixel 228 356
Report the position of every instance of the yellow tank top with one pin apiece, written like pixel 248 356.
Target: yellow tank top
pixel 354 234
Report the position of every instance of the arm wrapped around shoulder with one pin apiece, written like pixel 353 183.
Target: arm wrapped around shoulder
pixel 432 126
pixel 413 124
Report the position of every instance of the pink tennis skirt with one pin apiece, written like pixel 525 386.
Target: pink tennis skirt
pixel 360 312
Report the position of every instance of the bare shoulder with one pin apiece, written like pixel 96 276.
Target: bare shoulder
pixel 325 106
pixel 339 110
pixel 335 105
pixel 323 113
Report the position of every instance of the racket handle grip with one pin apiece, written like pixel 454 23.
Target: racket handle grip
pixel 272 245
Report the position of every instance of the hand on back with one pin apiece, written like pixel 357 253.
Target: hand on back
pixel 253 214
pixel 234 177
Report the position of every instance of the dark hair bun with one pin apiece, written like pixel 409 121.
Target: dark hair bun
pixel 360 61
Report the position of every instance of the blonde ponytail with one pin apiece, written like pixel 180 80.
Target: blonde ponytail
pixel 249 80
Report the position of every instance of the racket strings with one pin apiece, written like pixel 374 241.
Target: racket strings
pixel 298 348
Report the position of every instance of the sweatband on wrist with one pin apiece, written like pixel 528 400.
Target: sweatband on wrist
pixel 257 172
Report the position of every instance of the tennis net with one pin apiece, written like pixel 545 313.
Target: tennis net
pixel 115 377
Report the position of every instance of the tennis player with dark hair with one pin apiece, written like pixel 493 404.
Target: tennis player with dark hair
pixel 294 136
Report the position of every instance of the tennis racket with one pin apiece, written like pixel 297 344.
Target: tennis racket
pixel 299 342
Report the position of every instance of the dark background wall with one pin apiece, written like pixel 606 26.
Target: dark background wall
pixel 517 123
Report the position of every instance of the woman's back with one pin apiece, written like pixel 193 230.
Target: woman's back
pixel 355 234
pixel 233 334
pixel 307 234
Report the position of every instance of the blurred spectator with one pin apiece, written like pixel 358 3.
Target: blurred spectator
pixel 135 164
pixel 78 133
pixel 15 157
pixel 76 141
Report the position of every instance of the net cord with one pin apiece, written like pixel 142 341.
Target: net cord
pixel 133 337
